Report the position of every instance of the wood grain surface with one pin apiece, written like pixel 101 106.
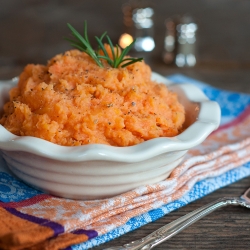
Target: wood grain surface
pixel 32 32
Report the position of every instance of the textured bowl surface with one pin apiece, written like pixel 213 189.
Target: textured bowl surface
pixel 100 171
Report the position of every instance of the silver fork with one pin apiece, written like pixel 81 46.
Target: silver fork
pixel 166 232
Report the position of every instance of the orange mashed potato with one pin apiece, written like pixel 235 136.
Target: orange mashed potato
pixel 71 101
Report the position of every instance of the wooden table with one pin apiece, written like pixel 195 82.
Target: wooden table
pixel 33 31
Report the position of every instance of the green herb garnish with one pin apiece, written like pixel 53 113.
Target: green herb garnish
pixel 82 43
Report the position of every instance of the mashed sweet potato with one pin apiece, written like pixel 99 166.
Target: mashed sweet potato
pixel 72 101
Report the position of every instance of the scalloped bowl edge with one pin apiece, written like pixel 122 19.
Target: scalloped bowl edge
pixel 100 171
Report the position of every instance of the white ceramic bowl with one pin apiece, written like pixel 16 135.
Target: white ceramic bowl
pixel 99 171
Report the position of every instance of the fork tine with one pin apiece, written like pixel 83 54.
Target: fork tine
pixel 246 195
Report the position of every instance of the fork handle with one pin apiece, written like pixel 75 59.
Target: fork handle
pixel 166 232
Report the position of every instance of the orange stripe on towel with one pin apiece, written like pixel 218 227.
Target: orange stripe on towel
pixel 12 238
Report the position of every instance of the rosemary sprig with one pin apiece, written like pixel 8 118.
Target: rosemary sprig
pixel 118 59
pixel 83 44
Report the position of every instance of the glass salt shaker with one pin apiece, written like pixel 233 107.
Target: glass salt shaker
pixel 139 25
pixel 180 41
pixel 144 28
